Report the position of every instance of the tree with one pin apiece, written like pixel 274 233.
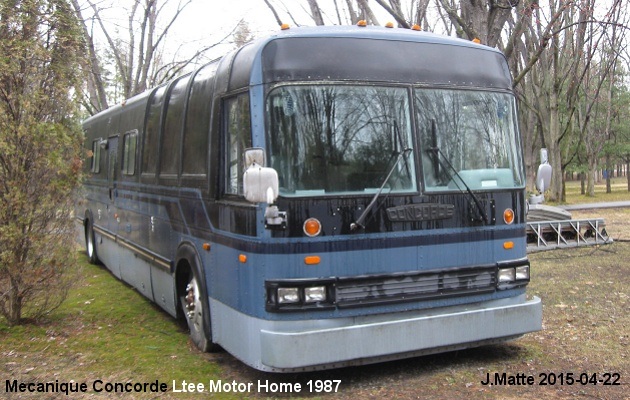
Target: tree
pixel 242 34
pixel 135 53
pixel 134 57
pixel 347 12
pixel 478 19
pixel 555 63
pixel 40 162
pixel 619 146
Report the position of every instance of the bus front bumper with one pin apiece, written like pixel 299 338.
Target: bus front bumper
pixel 369 339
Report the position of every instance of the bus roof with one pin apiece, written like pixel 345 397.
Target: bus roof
pixel 374 54
pixel 352 53
pixel 376 32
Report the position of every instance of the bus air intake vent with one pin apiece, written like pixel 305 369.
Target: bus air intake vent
pixel 375 290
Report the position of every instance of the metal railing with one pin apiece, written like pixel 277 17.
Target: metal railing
pixel 548 235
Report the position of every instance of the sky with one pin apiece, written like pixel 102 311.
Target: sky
pixel 207 22
pixel 203 22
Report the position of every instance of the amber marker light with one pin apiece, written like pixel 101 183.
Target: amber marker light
pixel 284 27
pixel 362 23
pixel 508 216
pixel 206 246
pixel 416 27
pixel 389 25
pixel 312 260
pixel 242 258
pixel 508 245
pixel 312 227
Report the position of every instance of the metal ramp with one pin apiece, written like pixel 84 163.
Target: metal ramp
pixel 548 235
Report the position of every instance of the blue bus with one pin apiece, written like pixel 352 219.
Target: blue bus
pixel 320 198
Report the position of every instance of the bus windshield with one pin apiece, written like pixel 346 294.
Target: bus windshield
pixel 341 139
pixel 469 139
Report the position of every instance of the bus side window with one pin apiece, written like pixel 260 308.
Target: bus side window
pixel 96 156
pixel 239 137
pixel 130 144
pixel 172 133
pixel 197 126
pixel 152 132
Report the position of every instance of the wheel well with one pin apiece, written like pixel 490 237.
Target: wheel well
pixel 189 264
pixel 86 219
pixel 183 270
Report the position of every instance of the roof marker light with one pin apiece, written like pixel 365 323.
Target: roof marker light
pixel 284 27
pixel 416 27
pixel 389 25
pixel 476 40
pixel 362 23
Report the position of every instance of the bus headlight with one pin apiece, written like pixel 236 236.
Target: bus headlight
pixel 314 294
pixel 522 273
pixel 507 275
pixel 300 294
pixel 288 295
pixel 513 275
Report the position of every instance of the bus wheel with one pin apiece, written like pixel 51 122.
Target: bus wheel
pixel 90 243
pixel 193 303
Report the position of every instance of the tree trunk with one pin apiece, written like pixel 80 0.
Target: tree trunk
pixel 15 303
pixel 609 171
pixel 555 154
pixel 316 13
pixel 592 171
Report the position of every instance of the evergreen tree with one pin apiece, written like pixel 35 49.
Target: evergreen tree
pixel 40 163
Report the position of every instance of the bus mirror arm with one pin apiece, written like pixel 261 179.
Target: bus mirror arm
pixel 275 218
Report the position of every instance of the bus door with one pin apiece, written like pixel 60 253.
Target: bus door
pixel 112 209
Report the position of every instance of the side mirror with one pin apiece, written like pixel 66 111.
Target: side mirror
pixel 260 183
pixel 543 177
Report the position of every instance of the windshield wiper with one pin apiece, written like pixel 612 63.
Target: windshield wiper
pixel 435 150
pixel 359 222
pixel 401 155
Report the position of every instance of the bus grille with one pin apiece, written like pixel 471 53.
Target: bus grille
pixel 374 290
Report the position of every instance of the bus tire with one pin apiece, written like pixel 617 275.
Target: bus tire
pixel 193 301
pixel 90 243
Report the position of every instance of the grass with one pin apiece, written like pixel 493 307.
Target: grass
pixel 108 331
pixel 619 192
pixel 105 330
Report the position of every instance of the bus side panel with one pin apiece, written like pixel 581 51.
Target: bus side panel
pixel 109 251
pixel 163 286
pixel 135 272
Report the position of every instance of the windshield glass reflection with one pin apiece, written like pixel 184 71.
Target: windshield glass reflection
pixel 334 139
pixel 476 134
